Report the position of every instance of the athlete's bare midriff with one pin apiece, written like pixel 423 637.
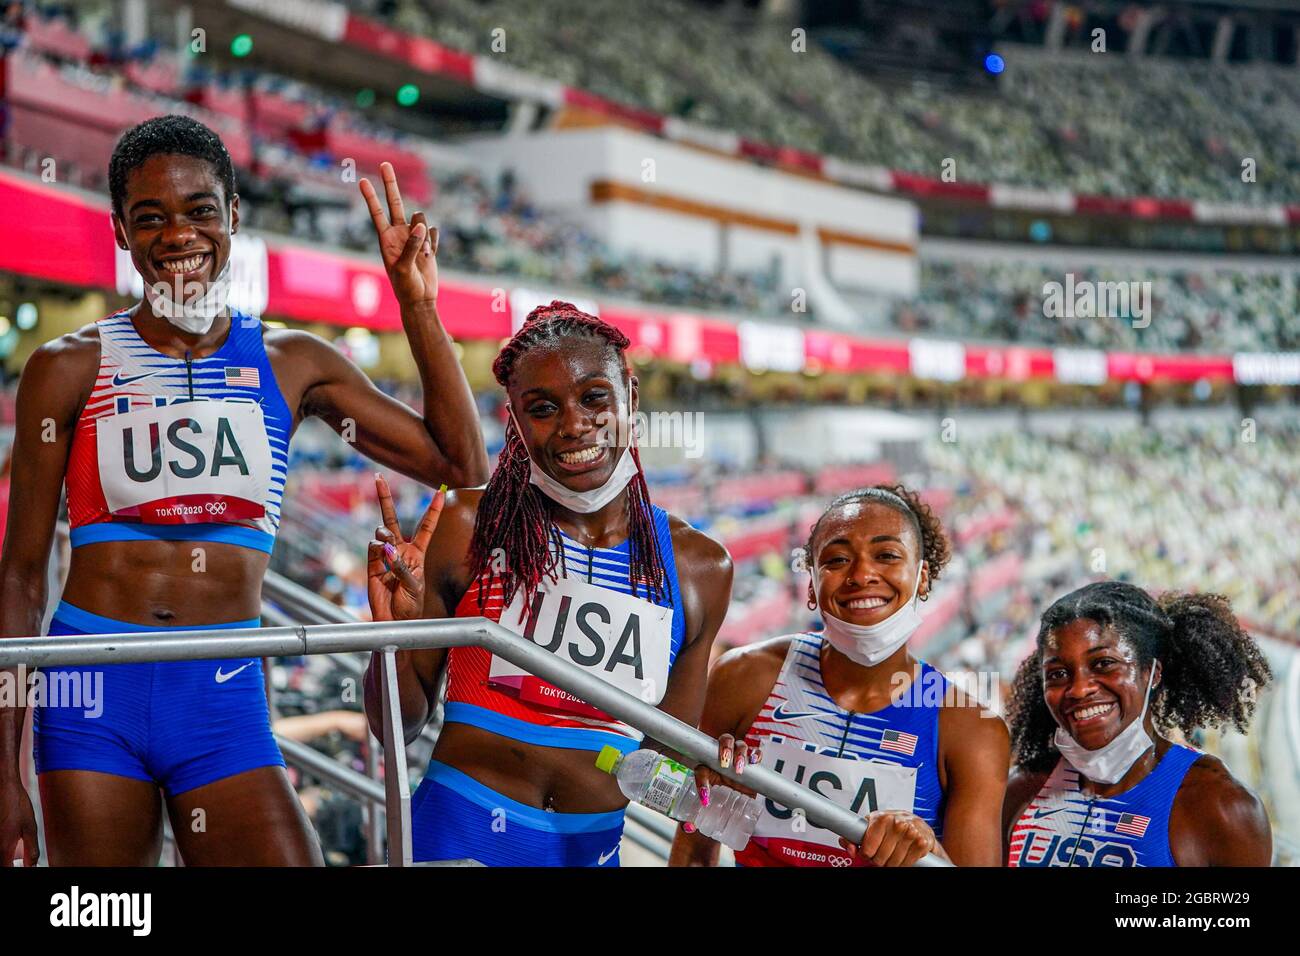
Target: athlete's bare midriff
pixel 552 778
pixel 167 583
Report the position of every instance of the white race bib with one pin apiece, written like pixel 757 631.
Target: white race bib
pixel 621 639
pixel 192 461
pixel 859 786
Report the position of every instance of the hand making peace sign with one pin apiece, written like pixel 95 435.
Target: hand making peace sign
pixel 395 566
pixel 409 249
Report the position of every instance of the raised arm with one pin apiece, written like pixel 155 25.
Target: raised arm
pixel 50 397
pixel 445 446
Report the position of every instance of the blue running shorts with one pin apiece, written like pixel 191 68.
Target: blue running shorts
pixel 179 724
pixel 454 817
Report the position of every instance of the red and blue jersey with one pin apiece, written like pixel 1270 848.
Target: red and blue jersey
pixel 587 615
pixel 1062 826
pixel 884 760
pixel 180 449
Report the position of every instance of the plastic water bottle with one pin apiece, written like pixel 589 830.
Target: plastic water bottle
pixel 662 784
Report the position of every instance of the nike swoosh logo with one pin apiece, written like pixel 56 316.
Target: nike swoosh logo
pixel 1048 813
pixel 604 857
pixel 780 713
pixel 222 678
pixel 119 381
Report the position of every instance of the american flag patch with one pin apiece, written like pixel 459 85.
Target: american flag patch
pixel 243 376
pixel 899 742
pixel 1132 824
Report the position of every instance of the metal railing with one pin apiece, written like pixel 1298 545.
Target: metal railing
pixel 388 638
pixel 645 828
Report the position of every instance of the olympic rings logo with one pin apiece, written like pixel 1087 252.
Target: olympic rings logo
pixel 840 861
pixel 216 507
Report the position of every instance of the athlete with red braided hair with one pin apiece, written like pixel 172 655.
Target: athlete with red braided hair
pixel 563 545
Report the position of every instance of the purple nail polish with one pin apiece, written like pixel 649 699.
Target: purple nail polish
pixel 704 796
pixel 390 552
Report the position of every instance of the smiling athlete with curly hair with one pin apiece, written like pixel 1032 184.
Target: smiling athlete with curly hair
pixel 851 714
pixel 1097 781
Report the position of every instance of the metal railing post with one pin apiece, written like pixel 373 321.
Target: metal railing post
pixel 397 787
pixel 373 821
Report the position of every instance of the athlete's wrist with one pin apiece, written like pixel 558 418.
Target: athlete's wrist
pixel 420 310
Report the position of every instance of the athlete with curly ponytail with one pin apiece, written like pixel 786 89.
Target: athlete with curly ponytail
pixel 850 713
pixel 1097 782
pixel 565 547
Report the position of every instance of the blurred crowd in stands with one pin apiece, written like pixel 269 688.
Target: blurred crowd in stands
pixel 491 226
pixel 1098 123
pixel 1211 309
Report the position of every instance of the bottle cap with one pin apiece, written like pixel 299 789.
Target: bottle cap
pixel 608 758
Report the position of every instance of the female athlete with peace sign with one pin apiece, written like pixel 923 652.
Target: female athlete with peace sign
pixel 171 425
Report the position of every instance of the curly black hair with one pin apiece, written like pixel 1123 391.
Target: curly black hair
pixel 171 134
pixel 1210 665
pixel 929 529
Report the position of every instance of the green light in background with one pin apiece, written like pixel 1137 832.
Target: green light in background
pixel 408 95
pixel 365 98
pixel 241 45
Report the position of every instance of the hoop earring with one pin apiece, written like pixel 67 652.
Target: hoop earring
pixel 812 603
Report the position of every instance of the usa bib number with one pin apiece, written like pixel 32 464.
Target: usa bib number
pixel 859 786
pixel 621 639
pixel 194 461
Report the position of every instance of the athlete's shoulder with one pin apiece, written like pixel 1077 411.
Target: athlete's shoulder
pixel 1210 788
pixel 1023 785
pixel 61 359
pixel 297 342
pixel 460 507
pixel 1222 814
pixel 695 548
pixel 752 664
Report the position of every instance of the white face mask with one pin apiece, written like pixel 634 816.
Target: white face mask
pixel 582 502
pixel 197 313
pixel 869 644
pixel 1109 762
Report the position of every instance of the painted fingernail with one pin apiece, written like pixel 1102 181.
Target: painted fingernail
pixel 443 488
pixel 704 795
pixel 755 756
pixel 740 766
pixel 688 827
pixel 725 762
pixel 390 552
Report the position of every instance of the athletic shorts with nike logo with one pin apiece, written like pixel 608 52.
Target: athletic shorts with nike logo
pixel 179 724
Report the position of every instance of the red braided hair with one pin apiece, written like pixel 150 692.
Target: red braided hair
pixel 513 532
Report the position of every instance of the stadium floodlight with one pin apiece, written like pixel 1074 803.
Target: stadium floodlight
pixel 241 45
pixel 408 94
